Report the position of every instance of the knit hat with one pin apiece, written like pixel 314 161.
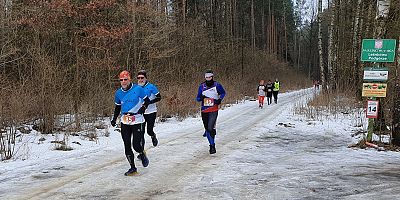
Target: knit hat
pixel 142 72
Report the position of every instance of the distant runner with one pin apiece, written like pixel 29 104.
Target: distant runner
pixel 261 93
pixel 270 87
pixel 275 90
pixel 316 84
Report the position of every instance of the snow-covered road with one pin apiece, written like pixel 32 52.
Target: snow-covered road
pixel 256 159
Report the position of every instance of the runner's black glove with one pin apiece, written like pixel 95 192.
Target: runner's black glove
pixel 141 110
pixel 113 122
pixel 217 101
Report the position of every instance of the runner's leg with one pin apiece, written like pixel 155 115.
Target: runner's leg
pixel 126 133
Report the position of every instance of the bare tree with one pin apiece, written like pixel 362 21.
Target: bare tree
pixel 320 50
pixel 331 46
pixel 356 42
pixel 253 28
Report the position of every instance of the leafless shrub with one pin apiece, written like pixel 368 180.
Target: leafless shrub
pixel 106 133
pixel 62 145
pixel 91 135
pixel 325 104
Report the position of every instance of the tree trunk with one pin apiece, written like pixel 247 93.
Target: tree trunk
pixel 235 23
pixel 321 61
pixel 356 42
pixel 396 102
pixel 331 50
pixel 263 41
pixel 310 56
pixel 274 37
pixel 285 31
pixel 164 8
pixel 253 29
pixel 299 53
pixel 269 34
pixel 134 31
pixel 184 12
pixel 77 89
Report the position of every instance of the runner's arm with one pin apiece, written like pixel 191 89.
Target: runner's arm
pixel 157 99
pixel 117 110
pixel 199 97
pixel 146 101
pixel 221 91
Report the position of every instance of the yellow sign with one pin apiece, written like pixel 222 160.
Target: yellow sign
pixel 374 90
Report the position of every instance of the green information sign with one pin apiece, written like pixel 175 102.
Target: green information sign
pixel 378 50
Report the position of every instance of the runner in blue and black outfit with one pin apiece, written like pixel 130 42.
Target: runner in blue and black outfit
pixel 131 102
pixel 210 94
pixel 151 112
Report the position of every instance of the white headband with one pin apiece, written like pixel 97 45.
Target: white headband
pixel 208 75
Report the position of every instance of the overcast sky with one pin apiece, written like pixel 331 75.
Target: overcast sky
pixel 309 8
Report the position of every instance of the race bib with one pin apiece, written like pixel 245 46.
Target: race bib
pixel 269 90
pixel 128 119
pixel 208 101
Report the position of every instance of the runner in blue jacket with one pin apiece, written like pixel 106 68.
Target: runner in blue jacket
pixel 150 114
pixel 210 94
pixel 131 102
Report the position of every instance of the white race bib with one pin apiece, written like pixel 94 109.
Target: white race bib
pixel 208 101
pixel 132 119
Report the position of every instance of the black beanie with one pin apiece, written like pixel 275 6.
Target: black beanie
pixel 142 72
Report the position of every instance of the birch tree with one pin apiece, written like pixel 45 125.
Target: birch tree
pixel 320 50
pixel 356 43
pixel 331 47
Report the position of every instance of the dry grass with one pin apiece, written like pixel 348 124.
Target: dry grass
pixel 326 104
pixel 63 147
pixel 178 101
